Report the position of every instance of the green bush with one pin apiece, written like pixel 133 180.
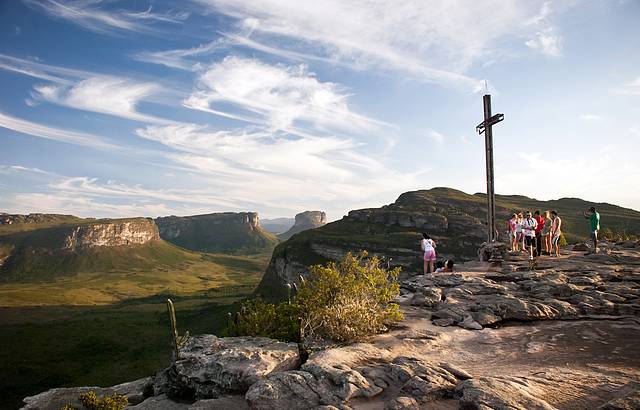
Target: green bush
pixel 91 401
pixel 349 300
pixel 276 321
pixel 562 241
pixel 344 302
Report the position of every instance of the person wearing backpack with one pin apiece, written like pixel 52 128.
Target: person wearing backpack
pixel 529 229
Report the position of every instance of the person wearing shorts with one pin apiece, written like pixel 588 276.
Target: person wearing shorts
pixel 513 236
pixel 428 247
pixel 546 232
pixel 519 234
pixel 556 232
pixel 539 226
pixel 529 225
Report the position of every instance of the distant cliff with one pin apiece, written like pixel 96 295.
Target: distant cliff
pixel 90 245
pixel 228 232
pixel 305 220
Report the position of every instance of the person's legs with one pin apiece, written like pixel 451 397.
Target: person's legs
pixel 425 266
pixel 595 241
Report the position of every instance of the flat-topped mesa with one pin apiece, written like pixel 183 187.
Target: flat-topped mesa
pixel 216 232
pixel 304 221
pixel 116 232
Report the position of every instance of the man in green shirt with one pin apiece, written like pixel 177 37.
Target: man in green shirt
pixel 594 224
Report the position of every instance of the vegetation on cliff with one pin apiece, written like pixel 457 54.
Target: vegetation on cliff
pixel 345 302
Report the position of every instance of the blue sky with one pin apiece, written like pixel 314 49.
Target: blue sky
pixel 149 108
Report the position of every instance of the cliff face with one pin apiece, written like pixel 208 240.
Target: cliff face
pixel 114 233
pixel 303 221
pixel 219 232
pixel 66 249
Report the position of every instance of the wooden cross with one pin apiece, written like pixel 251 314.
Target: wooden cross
pixel 486 127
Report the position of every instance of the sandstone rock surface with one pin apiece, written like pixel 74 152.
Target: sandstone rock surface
pixel 210 367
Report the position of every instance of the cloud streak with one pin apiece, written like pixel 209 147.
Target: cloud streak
pixel 432 41
pixel 55 134
pixel 91 15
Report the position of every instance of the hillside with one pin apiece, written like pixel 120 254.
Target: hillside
pixel 227 232
pixel 90 246
pixel 13 223
pixel 455 220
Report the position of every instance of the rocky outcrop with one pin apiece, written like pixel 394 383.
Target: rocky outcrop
pixel 210 367
pixel 38 219
pixel 516 393
pixel 116 232
pixel 608 285
pixel 219 232
pixel 304 221
pixel 456 220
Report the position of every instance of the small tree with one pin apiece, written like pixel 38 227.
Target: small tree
pixel 349 300
pixel 345 302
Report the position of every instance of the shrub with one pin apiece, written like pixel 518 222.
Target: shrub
pixel 276 321
pixel 562 241
pixel 91 401
pixel 349 300
pixel 345 302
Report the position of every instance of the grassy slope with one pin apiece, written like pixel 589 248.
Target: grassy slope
pixel 46 221
pixel 48 343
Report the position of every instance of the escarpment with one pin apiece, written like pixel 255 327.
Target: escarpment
pixel 92 245
pixel 236 232
pixel 304 221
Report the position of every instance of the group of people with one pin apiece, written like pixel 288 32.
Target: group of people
pixel 540 234
pixel 537 234
pixel 428 247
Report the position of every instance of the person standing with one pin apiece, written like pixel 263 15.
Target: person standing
pixel 519 234
pixel 539 226
pixel 556 227
pixel 428 247
pixel 546 233
pixel 529 229
pixel 594 224
pixel 513 236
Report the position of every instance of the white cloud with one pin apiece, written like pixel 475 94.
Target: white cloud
pixel 272 169
pixel 591 117
pixel 180 58
pixel 436 136
pixel 55 134
pixel 282 97
pixel 102 94
pixel 37 69
pixel 431 41
pixel 547 42
pixel 91 15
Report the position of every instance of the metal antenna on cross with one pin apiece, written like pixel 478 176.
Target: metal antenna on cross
pixel 486 127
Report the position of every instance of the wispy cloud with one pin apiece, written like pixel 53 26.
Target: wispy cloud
pixel 55 134
pixel 431 41
pixel 102 94
pixel 37 69
pixel 435 136
pixel 93 15
pixel 591 117
pixel 547 42
pixel 278 96
pixel 180 58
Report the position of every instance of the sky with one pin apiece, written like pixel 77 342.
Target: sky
pixel 152 108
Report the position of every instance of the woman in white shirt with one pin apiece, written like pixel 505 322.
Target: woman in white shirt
pixel 428 247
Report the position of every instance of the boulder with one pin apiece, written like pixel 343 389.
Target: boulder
pixel 55 399
pixel 511 393
pixel 210 367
